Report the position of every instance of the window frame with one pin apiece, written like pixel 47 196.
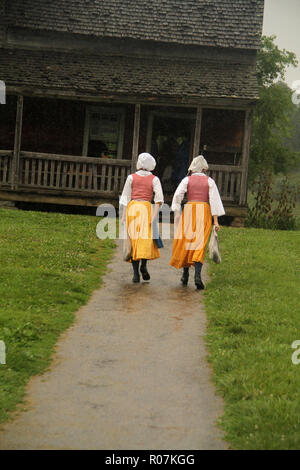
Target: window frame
pixel 107 110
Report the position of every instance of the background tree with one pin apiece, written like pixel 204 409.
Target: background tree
pixel 271 147
pixel 294 141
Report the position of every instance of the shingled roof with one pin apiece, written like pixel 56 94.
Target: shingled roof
pixel 219 23
pixel 95 75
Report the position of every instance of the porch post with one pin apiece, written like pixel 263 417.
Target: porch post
pixel 17 144
pixel 196 144
pixel 136 136
pixel 246 156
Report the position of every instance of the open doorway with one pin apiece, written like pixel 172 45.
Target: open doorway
pixel 169 140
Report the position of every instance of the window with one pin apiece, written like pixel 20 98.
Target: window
pixel 104 132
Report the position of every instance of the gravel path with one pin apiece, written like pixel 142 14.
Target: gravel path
pixel 131 373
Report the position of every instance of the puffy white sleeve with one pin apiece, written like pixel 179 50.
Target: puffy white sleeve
pixel 158 192
pixel 179 194
pixel 126 194
pixel 215 201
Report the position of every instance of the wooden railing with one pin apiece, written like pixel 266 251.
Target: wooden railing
pixel 229 180
pixel 68 173
pixel 5 167
pixel 86 175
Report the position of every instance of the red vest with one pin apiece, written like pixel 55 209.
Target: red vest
pixel 142 187
pixel 198 188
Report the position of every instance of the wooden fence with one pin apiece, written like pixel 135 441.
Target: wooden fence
pixel 5 168
pixel 69 173
pixel 228 179
pixel 93 176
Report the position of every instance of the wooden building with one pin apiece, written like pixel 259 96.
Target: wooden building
pixel 91 84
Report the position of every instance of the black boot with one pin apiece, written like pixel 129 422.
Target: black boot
pixel 144 271
pixel 136 276
pixel 185 277
pixel 198 282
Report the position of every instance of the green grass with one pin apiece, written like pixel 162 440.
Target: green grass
pixel 49 266
pixel 253 306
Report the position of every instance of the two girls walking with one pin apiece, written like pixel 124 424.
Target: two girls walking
pixel 192 226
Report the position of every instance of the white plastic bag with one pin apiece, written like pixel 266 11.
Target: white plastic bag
pixel 214 250
pixel 127 247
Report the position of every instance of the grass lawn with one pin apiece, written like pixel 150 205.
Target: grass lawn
pixel 253 306
pixel 49 266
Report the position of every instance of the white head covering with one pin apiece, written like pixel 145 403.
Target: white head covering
pixel 198 164
pixel 146 162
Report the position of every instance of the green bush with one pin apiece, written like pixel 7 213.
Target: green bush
pixel 269 212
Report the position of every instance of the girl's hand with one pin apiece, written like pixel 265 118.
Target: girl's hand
pixel 217 227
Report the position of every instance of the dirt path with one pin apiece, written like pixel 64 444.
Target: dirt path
pixel 130 374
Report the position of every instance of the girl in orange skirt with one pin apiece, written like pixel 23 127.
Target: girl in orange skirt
pixel 139 216
pixel 194 225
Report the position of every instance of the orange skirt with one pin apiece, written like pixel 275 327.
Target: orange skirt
pixel 191 235
pixel 140 231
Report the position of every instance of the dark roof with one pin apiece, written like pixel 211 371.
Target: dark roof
pixel 97 75
pixel 220 23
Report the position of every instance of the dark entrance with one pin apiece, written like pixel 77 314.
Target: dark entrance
pixel 171 144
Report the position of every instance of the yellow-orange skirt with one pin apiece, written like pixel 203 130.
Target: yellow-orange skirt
pixel 191 235
pixel 140 231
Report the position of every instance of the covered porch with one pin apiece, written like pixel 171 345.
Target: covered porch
pixel 55 148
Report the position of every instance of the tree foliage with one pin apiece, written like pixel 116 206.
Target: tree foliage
pixel 272 125
pixel 273 62
pixel 294 141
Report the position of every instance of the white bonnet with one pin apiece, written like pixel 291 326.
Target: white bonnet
pixel 198 164
pixel 146 162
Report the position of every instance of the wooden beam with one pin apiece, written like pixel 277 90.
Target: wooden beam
pixel 246 156
pixel 76 159
pixel 149 131
pixel 85 144
pixel 17 144
pixel 136 136
pixel 58 192
pixel 61 200
pixel 183 101
pixel 225 168
pixel 197 136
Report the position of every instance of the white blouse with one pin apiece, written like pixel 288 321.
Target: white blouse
pixel 156 184
pixel 214 196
